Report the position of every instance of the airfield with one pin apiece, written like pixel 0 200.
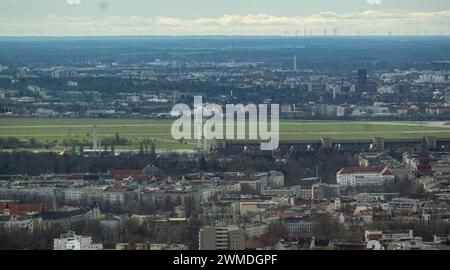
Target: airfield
pixel 58 130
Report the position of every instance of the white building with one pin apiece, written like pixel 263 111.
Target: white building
pixel 72 241
pixel 114 196
pixel 256 230
pixel 72 84
pixel 364 176
pixel 255 207
pixel 298 226
pixel 404 206
pixel 23 224
pixel 73 195
pixel 46 112
pixel 276 179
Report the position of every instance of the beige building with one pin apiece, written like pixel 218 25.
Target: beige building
pixel 221 238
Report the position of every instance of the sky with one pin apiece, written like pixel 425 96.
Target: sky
pixel 223 17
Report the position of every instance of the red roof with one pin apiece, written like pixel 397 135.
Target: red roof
pixel 367 212
pixel 113 189
pixel 386 171
pixel 441 107
pixel 119 175
pixel 207 204
pixel 262 242
pixel 287 214
pixel 352 170
pixel 2 206
pixel 76 176
pixel 21 209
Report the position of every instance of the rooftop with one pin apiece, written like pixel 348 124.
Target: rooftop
pixel 352 170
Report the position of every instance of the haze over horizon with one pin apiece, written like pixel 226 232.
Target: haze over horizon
pixel 234 17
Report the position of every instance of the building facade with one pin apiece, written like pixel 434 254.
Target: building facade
pixel 364 176
pixel 222 238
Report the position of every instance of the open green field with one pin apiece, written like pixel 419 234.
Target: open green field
pixel 58 130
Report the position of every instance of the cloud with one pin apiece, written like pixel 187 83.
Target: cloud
pixel 374 2
pixel 370 21
pixel 73 2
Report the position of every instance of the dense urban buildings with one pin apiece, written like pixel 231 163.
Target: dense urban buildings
pixel 382 187
pixel 87 160
pixel 90 160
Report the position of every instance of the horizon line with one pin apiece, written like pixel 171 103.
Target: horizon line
pixel 224 35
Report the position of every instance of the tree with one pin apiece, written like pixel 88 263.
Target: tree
pixel 168 204
pixel 276 229
pixel 327 228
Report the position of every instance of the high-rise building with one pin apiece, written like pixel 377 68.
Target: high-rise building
pixel 361 84
pixel 61 74
pixel 221 238
pixel 295 62
pixel 424 166
pixel 447 96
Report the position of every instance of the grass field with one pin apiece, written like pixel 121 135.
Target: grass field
pixel 58 130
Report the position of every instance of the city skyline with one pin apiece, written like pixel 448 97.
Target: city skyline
pixel 292 18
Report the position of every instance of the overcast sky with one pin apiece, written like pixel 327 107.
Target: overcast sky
pixel 223 17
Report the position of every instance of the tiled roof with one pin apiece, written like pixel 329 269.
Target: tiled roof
pixel 351 170
pixel 262 242
pixel 21 209
pixel 121 174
